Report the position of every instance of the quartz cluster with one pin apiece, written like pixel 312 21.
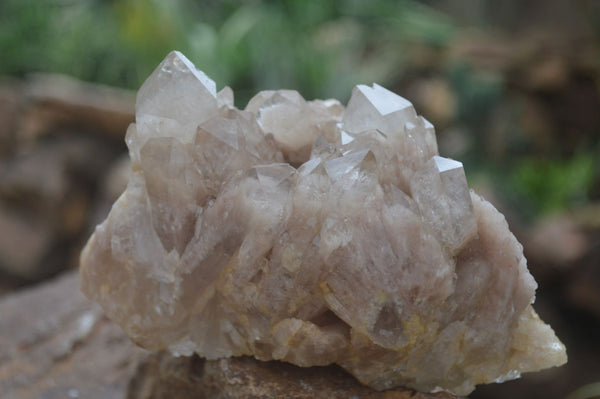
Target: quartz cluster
pixel 312 233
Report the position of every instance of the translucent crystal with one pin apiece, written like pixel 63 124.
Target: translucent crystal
pixel 294 123
pixel 377 108
pixel 440 189
pixel 178 92
pixel 225 97
pixel 338 167
pixel 306 232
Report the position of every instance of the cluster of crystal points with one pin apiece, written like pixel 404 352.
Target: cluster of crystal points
pixel 314 234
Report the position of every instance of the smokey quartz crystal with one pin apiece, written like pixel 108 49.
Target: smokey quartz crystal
pixel 312 233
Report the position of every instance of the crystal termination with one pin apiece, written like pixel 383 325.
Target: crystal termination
pixel 313 233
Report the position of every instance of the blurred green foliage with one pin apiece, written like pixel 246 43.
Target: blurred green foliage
pixel 544 186
pixel 319 47
pixel 72 37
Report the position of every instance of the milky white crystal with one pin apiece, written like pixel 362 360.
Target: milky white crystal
pixel 309 233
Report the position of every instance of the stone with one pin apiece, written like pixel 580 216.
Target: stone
pixel 162 375
pixel 58 136
pixel 311 234
pixel 52 103
pixel 45 195
pixel 24 244
pixel 55 343
pixel 557 241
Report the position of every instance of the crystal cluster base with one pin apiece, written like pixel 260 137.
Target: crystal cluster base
pixel 313 233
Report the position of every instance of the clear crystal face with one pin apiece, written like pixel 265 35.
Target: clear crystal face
pixel 311 233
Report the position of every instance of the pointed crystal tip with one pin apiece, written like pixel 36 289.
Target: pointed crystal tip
pixel 175 62
pixel 445 164
pixel 373 253
pixel 384 101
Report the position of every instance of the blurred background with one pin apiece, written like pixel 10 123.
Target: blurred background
pixel 512 87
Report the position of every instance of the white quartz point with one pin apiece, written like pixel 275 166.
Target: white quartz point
pixel 225 97
pixel 273 174
pixel 176 90
pixel 377 108
pixel 447 164
pixel 338 167
pixel 286 115
pixel 308 167
pixel 224 129
pixel 441 192
pixel 345 137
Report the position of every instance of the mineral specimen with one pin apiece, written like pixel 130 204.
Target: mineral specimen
pixel 311 233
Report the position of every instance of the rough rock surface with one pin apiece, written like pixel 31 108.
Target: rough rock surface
pixel 56 343
pixel 163 376
pixel 314 234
